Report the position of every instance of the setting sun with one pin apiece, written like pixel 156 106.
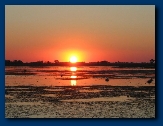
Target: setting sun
pixel 73 59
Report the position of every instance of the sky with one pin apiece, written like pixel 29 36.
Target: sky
pixel 124 33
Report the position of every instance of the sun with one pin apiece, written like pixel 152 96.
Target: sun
pixel 73 59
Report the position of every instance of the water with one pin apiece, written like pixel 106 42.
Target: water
pixel 77 76
pixel 79 92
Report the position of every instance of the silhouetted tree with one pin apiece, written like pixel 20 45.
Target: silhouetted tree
pixel 152 61
pixel 7 62
pixel 56 61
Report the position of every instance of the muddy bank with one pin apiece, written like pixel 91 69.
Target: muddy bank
pixel 98 101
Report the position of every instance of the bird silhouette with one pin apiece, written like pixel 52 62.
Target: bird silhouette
pixel 107 79
pixel 150 81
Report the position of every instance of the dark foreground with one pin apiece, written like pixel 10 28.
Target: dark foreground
pixel 80 102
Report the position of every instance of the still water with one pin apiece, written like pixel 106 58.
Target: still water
pixel 77 76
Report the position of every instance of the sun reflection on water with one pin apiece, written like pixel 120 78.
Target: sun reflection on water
pixel 73 81
pixel 73 69
pixel 73 77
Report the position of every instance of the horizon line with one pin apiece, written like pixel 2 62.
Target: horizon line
pixel 80 61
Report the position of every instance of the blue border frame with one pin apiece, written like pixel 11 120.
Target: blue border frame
pixel 159 68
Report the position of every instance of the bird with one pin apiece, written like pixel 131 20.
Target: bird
pixel 107 79
pixel 149 81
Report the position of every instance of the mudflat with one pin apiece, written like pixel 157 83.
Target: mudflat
pixel 98 101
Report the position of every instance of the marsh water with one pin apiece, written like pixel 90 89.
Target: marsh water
pixel 79 76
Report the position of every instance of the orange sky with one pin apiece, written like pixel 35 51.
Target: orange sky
pixel 92 33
